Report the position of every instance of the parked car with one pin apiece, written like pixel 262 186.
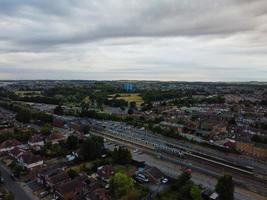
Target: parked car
pixel 141 178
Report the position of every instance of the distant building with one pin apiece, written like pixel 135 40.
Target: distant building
pixel 105 172
pixel 36 140
pixel 8 145
pixel 69 189
pixel 28 160
pixel 128 87
pixel 257 150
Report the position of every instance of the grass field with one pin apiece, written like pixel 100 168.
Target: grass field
pixel 131 97
pixel 28 93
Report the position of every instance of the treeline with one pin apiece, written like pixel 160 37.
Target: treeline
pixel 25 114
pixel 180 97
pixel 259 139
pixel 34 99
pixel 157 95
pixel 6 94
pixel 38 99
pixel 190 101
pixel 18 135
pixel 99 115
pixel 116 102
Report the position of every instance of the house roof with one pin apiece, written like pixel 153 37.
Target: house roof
pixel 36 138
pixel 49 171
pixel 10 143
pixel 30 158
pixel 261 145
pixel 105 171
pixel 59 177
pixel 57 136
pixel 74 185
pixel 154 173
pixel 16 151
pixel 98 194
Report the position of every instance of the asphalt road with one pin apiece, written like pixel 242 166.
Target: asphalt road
pixel 14 187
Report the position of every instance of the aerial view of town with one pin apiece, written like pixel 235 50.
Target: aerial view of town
pixel 133 100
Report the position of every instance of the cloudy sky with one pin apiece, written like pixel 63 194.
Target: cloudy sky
pixel 183 40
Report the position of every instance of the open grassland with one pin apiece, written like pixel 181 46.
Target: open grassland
pixel 29 93
pixel 130 97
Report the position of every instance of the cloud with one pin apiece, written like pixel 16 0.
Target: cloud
pixel 160 36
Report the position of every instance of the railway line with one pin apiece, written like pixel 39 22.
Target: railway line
pixel 181 152
pixel 242 177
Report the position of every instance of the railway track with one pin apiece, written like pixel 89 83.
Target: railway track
pixel 182 152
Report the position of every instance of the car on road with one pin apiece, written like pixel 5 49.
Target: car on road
pixel 164 180
pixel 12 176
pixel 135 151
pixel 43 194
pixel 2 180
pixel 140 152
pixel 188 170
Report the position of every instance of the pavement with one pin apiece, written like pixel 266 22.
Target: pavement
pixel 20 190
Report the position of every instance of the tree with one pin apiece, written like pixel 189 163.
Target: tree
pixel 17 169
pixel 121 156
pixel 58 110
pixel 72 173
pixel 185 189
pixel 133 105
pixel 121 184
pixel 130 111
pixel 225 188
pixel 47 129
pixel 9 196
pixel 92 148
pixel 72 142
pixel 86 129
pixel 23 116
pixel 182 180
pixel 195 193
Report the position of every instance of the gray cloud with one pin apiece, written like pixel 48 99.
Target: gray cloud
pixel 102 36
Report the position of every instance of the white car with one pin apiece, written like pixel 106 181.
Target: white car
pixel 135 151
pixel 164 180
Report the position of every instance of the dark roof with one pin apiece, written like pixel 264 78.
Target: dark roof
pixel 59 177
pixel 70 186
pixel 30 158
pixel 106 171
pixel 10 143
pixel 57 136
pixel 154 173
pixel 36 138
pixel 98 194
pixel 16 151
pixel 49 171
pixel 261 145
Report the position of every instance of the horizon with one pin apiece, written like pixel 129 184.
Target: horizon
pixel 192 41
pixel 132 80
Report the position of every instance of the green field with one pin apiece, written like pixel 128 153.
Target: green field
pixel 130 97
pixel 29 93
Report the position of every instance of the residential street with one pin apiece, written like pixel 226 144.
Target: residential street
pixel 14 187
